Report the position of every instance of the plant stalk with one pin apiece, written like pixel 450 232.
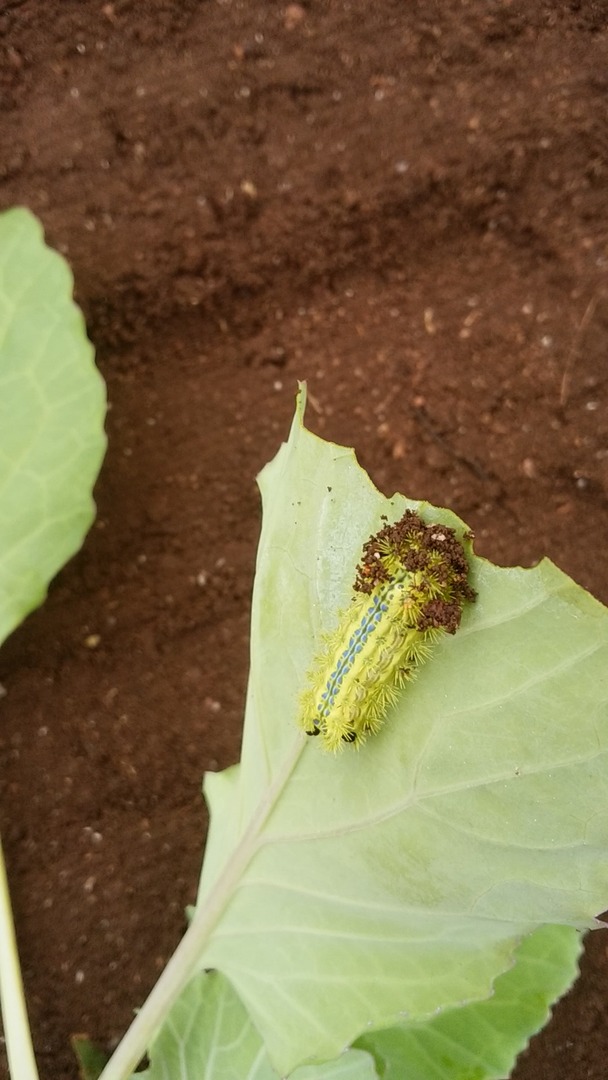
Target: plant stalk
pixel 187 959
pixel 17 1035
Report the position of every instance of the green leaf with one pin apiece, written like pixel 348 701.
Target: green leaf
pixel 342 894
pixel 208 1036
pixel 397 881
pixel 91 1060
pixel 52 405
pixel 481 1041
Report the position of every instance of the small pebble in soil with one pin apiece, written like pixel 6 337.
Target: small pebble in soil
pixel 294 14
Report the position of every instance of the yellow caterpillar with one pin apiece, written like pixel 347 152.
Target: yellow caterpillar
pixel 410 588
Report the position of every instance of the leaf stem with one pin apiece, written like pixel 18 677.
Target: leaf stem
pixel 188 956
pixel 19 1048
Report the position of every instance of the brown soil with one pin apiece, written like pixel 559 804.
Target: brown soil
pixel 405 203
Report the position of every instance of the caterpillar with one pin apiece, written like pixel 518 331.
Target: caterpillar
pixel 410 588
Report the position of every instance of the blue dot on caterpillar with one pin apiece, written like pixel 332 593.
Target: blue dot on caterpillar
pixel 410 588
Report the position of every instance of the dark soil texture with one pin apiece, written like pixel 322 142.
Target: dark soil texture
pixel 404 202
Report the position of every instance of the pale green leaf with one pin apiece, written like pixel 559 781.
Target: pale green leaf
pixel 396 881
pixel 208 1036
pixel 52 405
pixel 481 1041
